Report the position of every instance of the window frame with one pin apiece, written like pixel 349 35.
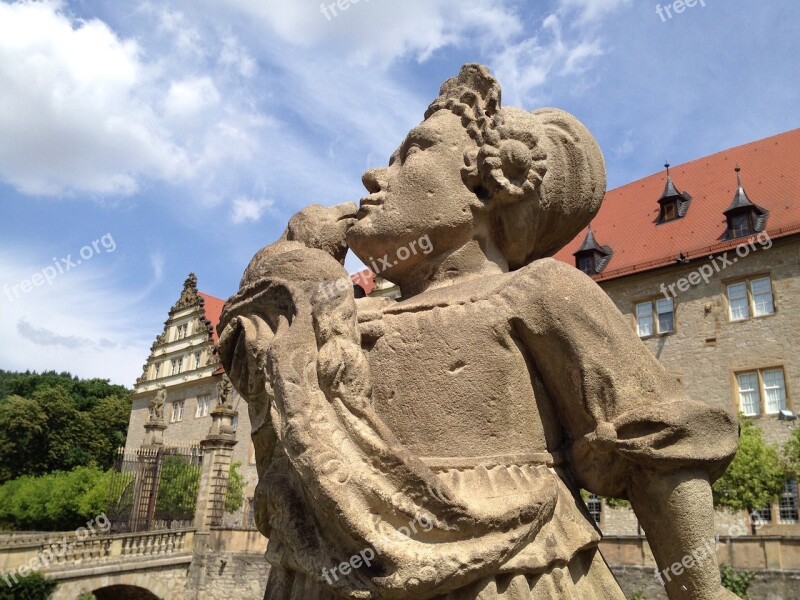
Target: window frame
pixel 790 492
pixel 178 407
pixel 655 321
pixel 761 391
pixel 203 406
pixel 749 297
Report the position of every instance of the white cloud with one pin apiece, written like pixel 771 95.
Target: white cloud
pixel 84 110
pixel 378 32
pixel 82 322
pixel 590 11
pixel 249 209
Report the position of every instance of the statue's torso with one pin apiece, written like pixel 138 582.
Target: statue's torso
pixel 454 380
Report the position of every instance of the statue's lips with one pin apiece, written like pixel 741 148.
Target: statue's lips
pixel 368 203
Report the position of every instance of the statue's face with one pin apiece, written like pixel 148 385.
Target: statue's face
pixel 419 196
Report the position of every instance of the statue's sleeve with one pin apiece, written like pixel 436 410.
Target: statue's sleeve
pixel 614 399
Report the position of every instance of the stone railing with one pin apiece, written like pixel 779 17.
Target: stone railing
pixel 66 550
pixel 759 552
pixel 155 543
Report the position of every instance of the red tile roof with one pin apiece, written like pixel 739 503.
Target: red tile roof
pixel 213 309
pixel 627 218
pixel 365 279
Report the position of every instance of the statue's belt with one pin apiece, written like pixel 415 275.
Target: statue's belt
pixel 443 463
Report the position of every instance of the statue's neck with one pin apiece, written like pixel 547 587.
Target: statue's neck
pixel 473 259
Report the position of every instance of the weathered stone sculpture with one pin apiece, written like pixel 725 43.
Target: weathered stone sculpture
pixel 434 447
pixel 156 404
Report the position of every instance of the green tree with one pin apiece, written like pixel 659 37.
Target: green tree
pixel 756 476
pixel 234 494
pixel 52 421
pixel 791 451
pixel 177 490
pixel 23 426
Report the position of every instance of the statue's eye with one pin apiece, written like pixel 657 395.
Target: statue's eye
pixel 411 150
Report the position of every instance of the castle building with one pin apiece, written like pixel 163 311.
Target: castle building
pixel 704 260
pixel 183 359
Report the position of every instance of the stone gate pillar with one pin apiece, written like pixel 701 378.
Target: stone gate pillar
pixel 217 455
pixel 148 473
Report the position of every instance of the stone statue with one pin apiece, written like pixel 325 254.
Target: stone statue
pixel 435 446
pixel 156 404
pixel 225 392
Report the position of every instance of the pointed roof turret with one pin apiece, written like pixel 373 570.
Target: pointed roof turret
pixel 592 257
pixel 742 205
pixel 674 204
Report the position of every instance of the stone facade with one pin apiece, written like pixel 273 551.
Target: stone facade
pixel 189 335
pixel 707 349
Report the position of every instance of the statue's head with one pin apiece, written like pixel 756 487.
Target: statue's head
pixel 523 183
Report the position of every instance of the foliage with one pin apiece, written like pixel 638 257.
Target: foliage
pixel 58 501
pixel 756 476
pixel 638 595
pixel 791 451
pixel 32 587
pixel 234 496
pixel 736 581
pixel 177 491
pixel 56 422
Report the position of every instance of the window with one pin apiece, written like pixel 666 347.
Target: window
pixel 788 504
pixel 177 365
pixel 250 521
pixel 763 515
pixel 740 226
pixel 156 370
pixel 203 404
pixel 644 319
pixel 197 356
pixel 183 330
pixel 750 297
pixel 762 297
pixel 670 211
pixel 586 264
pixel 177 411
pixel 765 386
pixel 737 300
pixel 663 319
pixel 235 422
pixel 595 506
pixel 666 315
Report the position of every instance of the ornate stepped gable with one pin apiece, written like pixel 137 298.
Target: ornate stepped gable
pixel 205 315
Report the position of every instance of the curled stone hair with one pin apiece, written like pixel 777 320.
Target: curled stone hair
pixel 540 174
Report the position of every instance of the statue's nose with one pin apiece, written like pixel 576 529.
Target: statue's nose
pixel 374 180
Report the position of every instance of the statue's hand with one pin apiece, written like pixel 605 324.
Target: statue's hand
pixel 323 227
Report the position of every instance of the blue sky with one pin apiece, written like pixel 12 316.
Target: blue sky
pixel 187 133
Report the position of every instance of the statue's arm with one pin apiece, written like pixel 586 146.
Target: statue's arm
pixel 634 433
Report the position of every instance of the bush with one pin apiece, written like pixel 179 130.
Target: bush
pixel 736 581
pixel 32 587
pixel 54 502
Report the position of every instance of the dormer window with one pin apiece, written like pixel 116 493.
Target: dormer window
pixel 586 264
pixel 591 257
pixel 674 204
pixel 743 216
